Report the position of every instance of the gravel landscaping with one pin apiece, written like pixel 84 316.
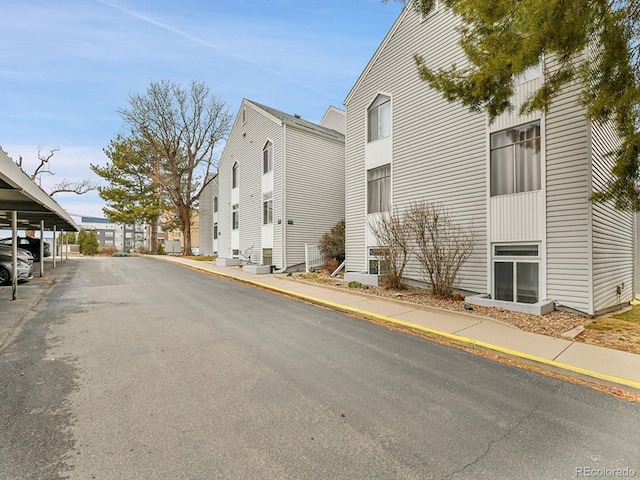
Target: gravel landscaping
pixel 553 324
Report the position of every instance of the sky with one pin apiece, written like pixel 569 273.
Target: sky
pixel 67 66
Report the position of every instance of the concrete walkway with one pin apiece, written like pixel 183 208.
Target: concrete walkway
pixel 587 362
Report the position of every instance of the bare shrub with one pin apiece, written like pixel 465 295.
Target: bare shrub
pixel 107 250
pixel 442 246
pixel 393 235
pixel 330 265
pixel 332 243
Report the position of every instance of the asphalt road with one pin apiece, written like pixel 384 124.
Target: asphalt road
pixel 133 368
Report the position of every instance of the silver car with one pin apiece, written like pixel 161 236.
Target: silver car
pixel 25 265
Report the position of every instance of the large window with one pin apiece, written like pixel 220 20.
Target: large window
pixel 234 175
pixel 215 204
pixel 267 158
pixel 516 276
pixel 267 208
pixel 379 118
pixel 379 189
pixel 515 160
pixel 215 231
pixel 235 216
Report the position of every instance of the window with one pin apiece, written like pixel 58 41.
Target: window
pixel 379 118
pixel 235 217
pixel 267 208
pixel 376 266
pixel 235 253
pixel 267 256
pixel 108 233
pixel 215 204
pixel 516 274
pixel 234 175
pixel 215 231
pixel 244 116
pixel 515 160
pixel 267 158
pixel 529 74
pixel 379 189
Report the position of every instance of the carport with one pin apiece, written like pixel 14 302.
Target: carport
pixel 25 206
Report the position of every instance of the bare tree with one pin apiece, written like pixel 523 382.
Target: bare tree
pixel 393 235
pixel 183 127
pixel 442 246
pixel 79 188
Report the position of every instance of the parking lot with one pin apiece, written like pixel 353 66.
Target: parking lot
pixel 12 312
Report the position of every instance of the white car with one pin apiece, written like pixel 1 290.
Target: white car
pixel 25 265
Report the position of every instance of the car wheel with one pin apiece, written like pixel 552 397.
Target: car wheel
pixel 5 277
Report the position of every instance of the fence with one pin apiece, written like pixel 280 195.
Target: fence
pixel 312 257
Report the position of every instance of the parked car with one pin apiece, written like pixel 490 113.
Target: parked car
pixel 31 244
pixel 25 265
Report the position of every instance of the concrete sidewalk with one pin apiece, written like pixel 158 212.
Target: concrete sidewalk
pixel 587 362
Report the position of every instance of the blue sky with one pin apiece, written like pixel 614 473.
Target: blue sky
pixel 68 66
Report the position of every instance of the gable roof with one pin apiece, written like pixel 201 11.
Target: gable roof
pixel 296 120
pixel 408 7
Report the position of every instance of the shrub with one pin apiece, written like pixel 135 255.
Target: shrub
pixel 161 249
pixel 330 265
pixel 442 246
pixel 393 234
pixel 331 244
pixel 354 284
pixel 89 244
pixel 107 250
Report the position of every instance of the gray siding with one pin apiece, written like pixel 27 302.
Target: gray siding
pixel 314 189
pixel 206 216
pixel 247 150
pixel 308 170
pixel 334 119
pixel 439 149
pixel 569 279
pixel 613 231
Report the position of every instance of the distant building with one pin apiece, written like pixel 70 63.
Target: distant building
pixel 119 235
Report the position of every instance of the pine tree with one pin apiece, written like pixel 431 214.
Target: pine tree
pixel 132 192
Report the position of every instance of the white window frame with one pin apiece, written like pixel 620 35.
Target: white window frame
pixel 516 259
pixel 267 208
pixel 267 157
pixel 379 126
pixel 517 173
pixel 381 204
pixel 374 257
pixel 235 217
pixel 235 175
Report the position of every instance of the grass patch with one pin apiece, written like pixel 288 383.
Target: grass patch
pixel 201 258
pixel 309 276
pixel 632 316
pixel 626 322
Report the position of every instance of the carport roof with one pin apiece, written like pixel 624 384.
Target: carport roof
pixel 19 193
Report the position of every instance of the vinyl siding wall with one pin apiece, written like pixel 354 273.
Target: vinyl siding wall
pixel 569 280
pixel 206 217
pixel 314 189
pixel 613 231
pixel 439 148
pixel 334 119
pixel 247 150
